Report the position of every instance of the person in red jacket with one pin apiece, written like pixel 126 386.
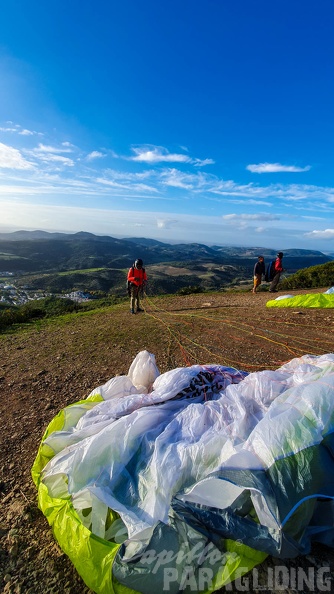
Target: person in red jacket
pixel 278 269
pixel 137 279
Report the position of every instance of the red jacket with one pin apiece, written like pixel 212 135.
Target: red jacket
pixel 278 265
pixel 137 276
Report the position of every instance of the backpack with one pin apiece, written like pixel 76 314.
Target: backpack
pixel 270 272
pixel 128 283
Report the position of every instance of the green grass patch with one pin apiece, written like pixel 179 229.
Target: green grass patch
pixel 82 271
pixel 12 318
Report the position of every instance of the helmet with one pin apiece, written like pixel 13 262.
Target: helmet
pixel 138 262
pixel 280 255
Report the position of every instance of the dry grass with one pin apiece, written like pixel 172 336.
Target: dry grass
pixel 48 366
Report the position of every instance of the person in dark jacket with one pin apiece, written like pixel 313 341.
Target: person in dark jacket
pixel 278 269
pixel 259 270
pixel 137 278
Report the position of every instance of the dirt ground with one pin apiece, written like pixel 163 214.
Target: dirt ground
pixel 48 366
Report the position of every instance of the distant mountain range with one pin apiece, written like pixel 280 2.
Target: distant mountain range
pixel 171 265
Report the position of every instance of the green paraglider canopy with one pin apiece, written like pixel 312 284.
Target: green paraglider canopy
pixel 187 480
pixel 321 300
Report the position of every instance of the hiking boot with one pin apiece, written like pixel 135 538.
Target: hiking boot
pixel 132 311
pixel 139 309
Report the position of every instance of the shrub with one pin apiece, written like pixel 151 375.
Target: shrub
pixel 312 277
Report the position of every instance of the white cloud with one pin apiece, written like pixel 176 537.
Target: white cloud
pixel 250 201
pixel 127 175
pixel 250 217
pixel 166 223
pixel 325 234
pixel 276 168
pixel 11 158
pixel 17 129
pixel 52 155
pixel 8 130
pixel 324 206
pixel 202 162
pixel 95 155
pixel 51 158
pixel 9 191
pixel 137 187
pixel 112 183
pixel 144 188
pixel 231 188
pixel 313 218
pixel 303 192
pixel 42 148
pixel 26 132
pixel 178 179
pixel 158 155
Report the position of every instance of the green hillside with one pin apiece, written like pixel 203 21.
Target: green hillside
pixel 311 277
pixel 92 279
pixel 61 263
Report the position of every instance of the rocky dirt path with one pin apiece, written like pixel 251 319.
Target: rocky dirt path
pixel 46 367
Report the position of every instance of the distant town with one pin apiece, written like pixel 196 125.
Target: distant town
pixel 12 295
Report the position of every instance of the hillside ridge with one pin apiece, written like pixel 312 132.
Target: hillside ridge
pixel 100 263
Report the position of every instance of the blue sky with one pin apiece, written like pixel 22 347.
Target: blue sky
pixel 181 120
